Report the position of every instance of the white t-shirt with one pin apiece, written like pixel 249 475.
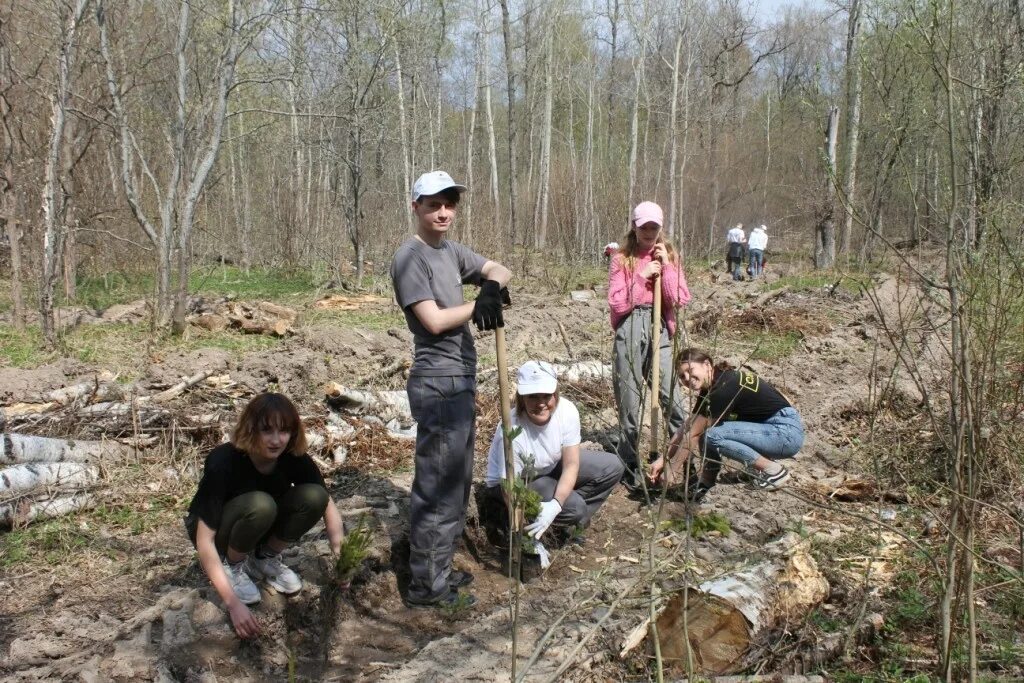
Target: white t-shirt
pixel 735 235
pixel 543 444
pixel 758 239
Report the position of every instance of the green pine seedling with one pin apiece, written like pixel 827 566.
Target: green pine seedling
pixel 354 550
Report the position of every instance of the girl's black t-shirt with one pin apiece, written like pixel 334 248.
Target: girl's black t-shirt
pixel 229 472
pixel 740 395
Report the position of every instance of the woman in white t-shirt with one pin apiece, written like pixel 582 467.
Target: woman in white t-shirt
pixel 572 483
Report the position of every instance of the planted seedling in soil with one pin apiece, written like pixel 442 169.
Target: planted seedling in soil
pixel 354 550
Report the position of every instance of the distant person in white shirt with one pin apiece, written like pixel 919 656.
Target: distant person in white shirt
pixel 572 483
pixel 736 240
pixel 757 244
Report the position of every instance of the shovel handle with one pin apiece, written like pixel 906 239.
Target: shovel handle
pixel 656 367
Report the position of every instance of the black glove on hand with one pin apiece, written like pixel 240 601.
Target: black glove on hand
pixel 506 300
pixel 487 309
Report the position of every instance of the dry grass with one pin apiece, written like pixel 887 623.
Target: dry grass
pixel 780 321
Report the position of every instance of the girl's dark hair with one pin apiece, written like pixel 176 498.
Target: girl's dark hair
pixel 520 403
pixel 695 355
pixel 269 410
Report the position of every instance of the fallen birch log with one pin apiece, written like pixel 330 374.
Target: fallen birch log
pixel 18 449
pixel 21 478
pixel 30 511
pixel 583 370
pixel 386 405
pixel 717 622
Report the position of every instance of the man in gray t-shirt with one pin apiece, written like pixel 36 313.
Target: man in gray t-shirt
pixel 428 272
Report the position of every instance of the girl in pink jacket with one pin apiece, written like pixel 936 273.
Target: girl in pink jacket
pixel 631 277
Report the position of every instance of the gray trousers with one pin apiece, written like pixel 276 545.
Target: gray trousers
pixel 445 412
pixel 631 367
pixel 598 475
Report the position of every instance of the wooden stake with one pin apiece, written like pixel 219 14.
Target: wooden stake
pixel 656 368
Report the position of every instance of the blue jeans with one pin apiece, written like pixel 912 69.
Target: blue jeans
pixel 780 436
pixel 756 262
pixel 737 268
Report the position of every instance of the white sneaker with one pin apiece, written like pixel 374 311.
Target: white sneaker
pixel 283 579
pixel 240 582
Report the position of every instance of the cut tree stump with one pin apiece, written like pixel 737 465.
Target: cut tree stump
pixel 717 622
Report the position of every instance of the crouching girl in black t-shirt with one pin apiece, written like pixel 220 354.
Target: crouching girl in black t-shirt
pixel 259 494
pixel 738 415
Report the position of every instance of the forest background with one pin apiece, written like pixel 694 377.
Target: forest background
pixel 142 138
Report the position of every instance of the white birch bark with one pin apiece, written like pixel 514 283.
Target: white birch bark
pixel 545 152
pixel 673 209
pixel 65 475
pixel 402 133
pixel 492 144
pixel 18 449
pixel 853 96
pixel 54 200
pixel 10 513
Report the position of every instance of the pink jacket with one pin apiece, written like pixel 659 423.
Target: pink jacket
pixel 626 290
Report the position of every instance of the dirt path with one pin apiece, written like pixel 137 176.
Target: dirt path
pixel 132 604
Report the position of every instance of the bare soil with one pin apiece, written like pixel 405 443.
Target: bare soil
pixel 117 594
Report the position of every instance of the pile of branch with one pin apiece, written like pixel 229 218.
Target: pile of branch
pixel 102 407
pixel 42 478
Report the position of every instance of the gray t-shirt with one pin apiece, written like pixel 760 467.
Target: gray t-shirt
pixel 420 272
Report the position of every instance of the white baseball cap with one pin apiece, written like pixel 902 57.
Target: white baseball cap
pixel 536 377
pixel 433 183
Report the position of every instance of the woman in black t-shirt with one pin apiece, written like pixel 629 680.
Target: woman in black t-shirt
pixel 259 494
pixel 738 415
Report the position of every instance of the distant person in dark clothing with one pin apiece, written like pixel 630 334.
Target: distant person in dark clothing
pixel 737 415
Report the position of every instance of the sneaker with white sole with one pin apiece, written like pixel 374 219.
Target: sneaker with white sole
pixel 275 573
pixel 241 584
pixel 771 482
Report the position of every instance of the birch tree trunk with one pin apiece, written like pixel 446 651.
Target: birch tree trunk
pixel 54 200
pixel 673 209
pixel 492 145
pixel 545 154
pixel 853 93
pixel 506 31
pixel 825 230
pixel 402 134
pixel 467 227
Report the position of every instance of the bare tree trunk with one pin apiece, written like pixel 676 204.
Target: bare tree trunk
pixel 54 200
pixel 634 125
pixel 853 93
pixel 673 212
pixel 246 229
pixel 467 227
pixel 541 219
pixel 825 230
pixel 202 170
pixel 69 257
pixel 506 31
pixel 613 19
pixel 492 145
pixel 402 134
pixel 9 213
pixel 591 215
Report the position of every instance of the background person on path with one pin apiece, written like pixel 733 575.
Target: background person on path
pixel 757 243
pixel 738 415
pixel 572 483
pixel 736 241
pixel 631 277
pixel 428 272
pixel 259 494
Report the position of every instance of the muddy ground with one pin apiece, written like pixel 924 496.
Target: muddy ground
pixel 116 593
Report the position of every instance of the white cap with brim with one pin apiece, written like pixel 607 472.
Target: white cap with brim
pixel 434 182
pixel 536 377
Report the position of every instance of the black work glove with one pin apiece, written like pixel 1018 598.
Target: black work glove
pixel 487 309
pixel 506 300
